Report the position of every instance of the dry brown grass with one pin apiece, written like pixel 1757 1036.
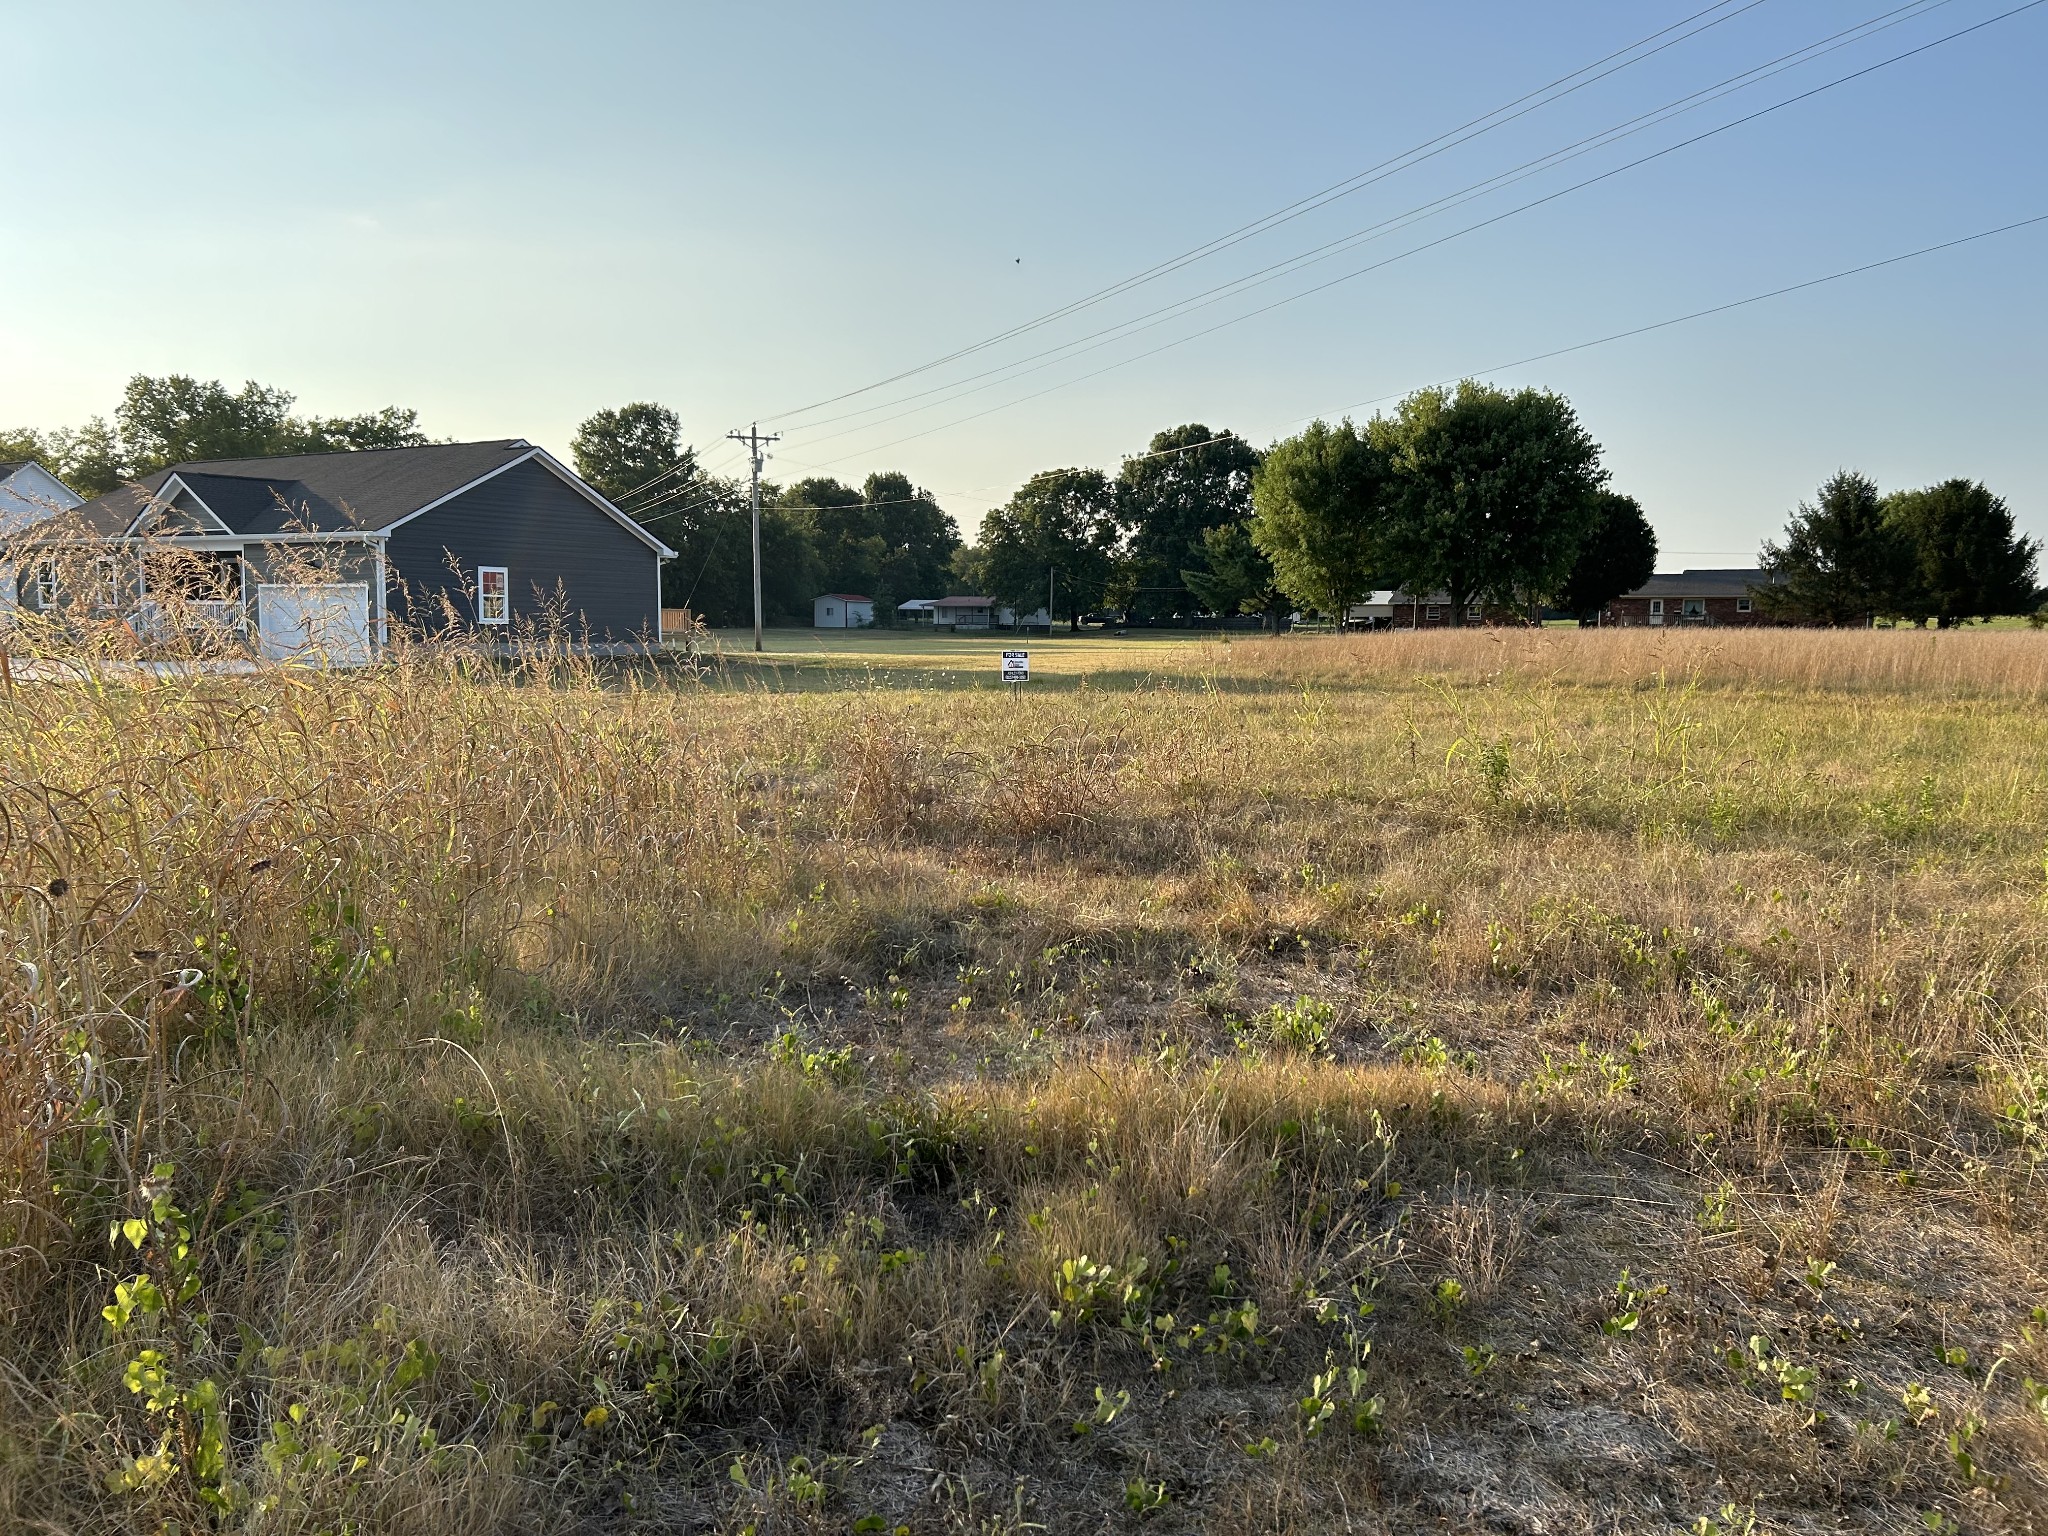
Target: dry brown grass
pixel 2004 663
pixel 614 1101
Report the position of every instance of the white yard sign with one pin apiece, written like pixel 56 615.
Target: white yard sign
pixel 1016 666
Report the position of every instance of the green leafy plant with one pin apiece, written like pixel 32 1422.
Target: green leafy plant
pixel 1633 1300
pixel 192 1441
pixel 1143 1498
pixel 1104 1413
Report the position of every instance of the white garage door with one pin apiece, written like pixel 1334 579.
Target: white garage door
pixel 325 623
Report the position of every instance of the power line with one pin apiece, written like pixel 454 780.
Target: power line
pixel 1456 234
pixel 1644 330
pixel 1094 340
pixel 1427 149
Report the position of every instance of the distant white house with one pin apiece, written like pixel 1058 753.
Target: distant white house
pixel 918 610
pixel 843 610
pixel 29 494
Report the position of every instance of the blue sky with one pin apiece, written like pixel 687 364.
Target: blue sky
pixel 510 215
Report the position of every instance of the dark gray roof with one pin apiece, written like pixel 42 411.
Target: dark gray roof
pixel 1731 582
pixel 368 489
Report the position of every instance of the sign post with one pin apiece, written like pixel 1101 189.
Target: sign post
pixel 1016 668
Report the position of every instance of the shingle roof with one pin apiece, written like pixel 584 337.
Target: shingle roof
pixel 1732 582
pixel 365 490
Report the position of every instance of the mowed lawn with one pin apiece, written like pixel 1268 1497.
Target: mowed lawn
pixel 1503 1081
pixel 906 658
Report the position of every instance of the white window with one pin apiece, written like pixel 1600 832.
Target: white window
pixel 1695 607
pixel 46 587
pixel 1471 610
pixel 1657 607
pixel 493 595
pixel 1433 613
pixel 1742 605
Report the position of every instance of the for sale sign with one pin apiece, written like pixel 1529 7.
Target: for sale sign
pixel 1016 666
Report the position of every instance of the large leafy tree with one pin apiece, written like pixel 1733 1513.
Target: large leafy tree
pixel 1842 561
pixel 1188 481
pixel 1964 559
pixel 175 418
pixel 1235 576
pixel 1060 527
pixel 1321 503
pixel 919 539
pixel 711 531
pixel 1494 492
pixel 625 450
pixel 887 540
pixel 170 419
pixel 1618 555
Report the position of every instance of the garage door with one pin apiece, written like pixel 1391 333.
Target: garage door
pixel 326 623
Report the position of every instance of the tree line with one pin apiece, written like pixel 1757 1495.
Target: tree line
pixel 175 418
pixel 1493 498
pixel 1948 553
pixel 885 539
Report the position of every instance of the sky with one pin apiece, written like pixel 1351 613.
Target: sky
pixel 507 216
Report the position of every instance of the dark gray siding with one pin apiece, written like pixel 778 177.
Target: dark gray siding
pixel 558 549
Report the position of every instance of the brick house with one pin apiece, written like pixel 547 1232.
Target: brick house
pixel 1702 599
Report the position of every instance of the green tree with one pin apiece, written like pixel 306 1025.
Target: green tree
pixel 623 450
pixel 887 541
pixel 1235 576
pixel 392 427
pixel 26 443
pixel 1842 562
pixel 1965 559
pixel 1188 481
pixel 1618 555
pixel 1322 501
pixel 176 418
pixel 1494 492
pixel 840 527
pixel 711 531
pixel 1061 524
pixel 919 539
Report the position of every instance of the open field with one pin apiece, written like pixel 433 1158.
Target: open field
pixel 1488 1082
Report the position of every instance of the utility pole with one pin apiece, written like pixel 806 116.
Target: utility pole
pixel 754 441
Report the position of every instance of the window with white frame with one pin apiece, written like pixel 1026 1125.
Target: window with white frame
pixel 1695 607
pixel 1742 605
pixel 493 595
pixel 1472 610
pixel 1435 613
pixel 1657 606
pixel 46 586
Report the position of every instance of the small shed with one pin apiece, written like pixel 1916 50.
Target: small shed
pixel 843 610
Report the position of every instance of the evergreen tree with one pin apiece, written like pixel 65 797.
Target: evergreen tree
pixel 1841 562
pixel 1964 558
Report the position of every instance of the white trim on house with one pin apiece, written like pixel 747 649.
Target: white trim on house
pixel 161 501
pixel 504 576
pixel 547 461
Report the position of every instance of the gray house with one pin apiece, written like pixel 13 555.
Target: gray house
pixel 330 551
